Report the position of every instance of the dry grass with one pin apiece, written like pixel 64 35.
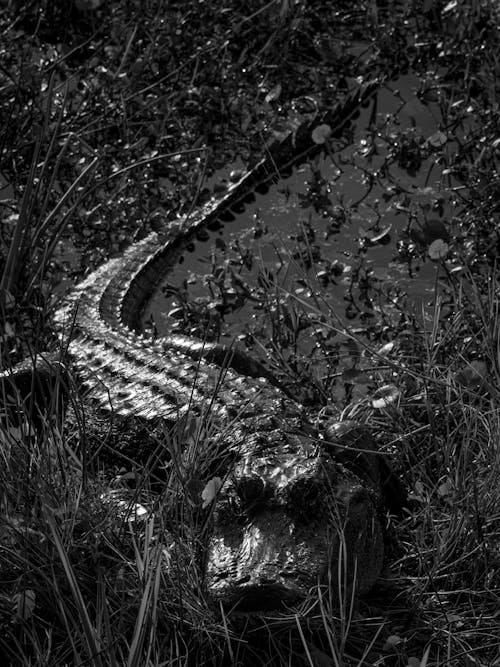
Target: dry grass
pixel 95 572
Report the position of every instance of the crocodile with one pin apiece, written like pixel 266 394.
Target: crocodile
pixel 292 517
pixel 290 512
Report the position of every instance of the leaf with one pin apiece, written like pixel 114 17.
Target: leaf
pixel 6 190
pixel 473 375
pixel 210 491
pixel 386 395
pixel 321 133
pixel 11 435
pixel 413 662
pixel 445 489
pixel 386 349
pixel 382 234
pixel 134 512
pixel 438 249
pixel 127 509
pixel 273 94
pixel 392 641
pixel 354 376
pixel 9 331
pixel 25 604
pixel 426 195
pixel 437 139
pixel 10 301
pixel 418 493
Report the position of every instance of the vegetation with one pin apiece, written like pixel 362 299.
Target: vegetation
pixel 113 116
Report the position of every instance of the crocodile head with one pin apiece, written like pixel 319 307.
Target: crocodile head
pixel 287 519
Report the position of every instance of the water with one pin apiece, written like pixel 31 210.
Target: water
pixel 386 198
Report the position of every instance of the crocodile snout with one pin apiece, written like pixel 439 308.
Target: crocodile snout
pixel 272 557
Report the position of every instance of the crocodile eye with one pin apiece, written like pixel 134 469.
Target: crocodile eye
pixel 250 489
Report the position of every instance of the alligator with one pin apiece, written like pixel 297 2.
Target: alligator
pixel 295 507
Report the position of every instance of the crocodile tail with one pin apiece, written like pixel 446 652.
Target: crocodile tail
pixel 139 274
pixel 101 314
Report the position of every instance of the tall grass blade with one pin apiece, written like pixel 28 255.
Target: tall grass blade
pixel 93 646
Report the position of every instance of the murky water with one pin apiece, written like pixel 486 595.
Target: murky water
pixel 384 199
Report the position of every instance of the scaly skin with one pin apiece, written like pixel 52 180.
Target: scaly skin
pixel 289 515
pixel 289 518
pixel 157 379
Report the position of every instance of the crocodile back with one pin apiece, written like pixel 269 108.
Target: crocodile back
pixel 134 375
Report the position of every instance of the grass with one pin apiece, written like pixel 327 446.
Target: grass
pixel 94 104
